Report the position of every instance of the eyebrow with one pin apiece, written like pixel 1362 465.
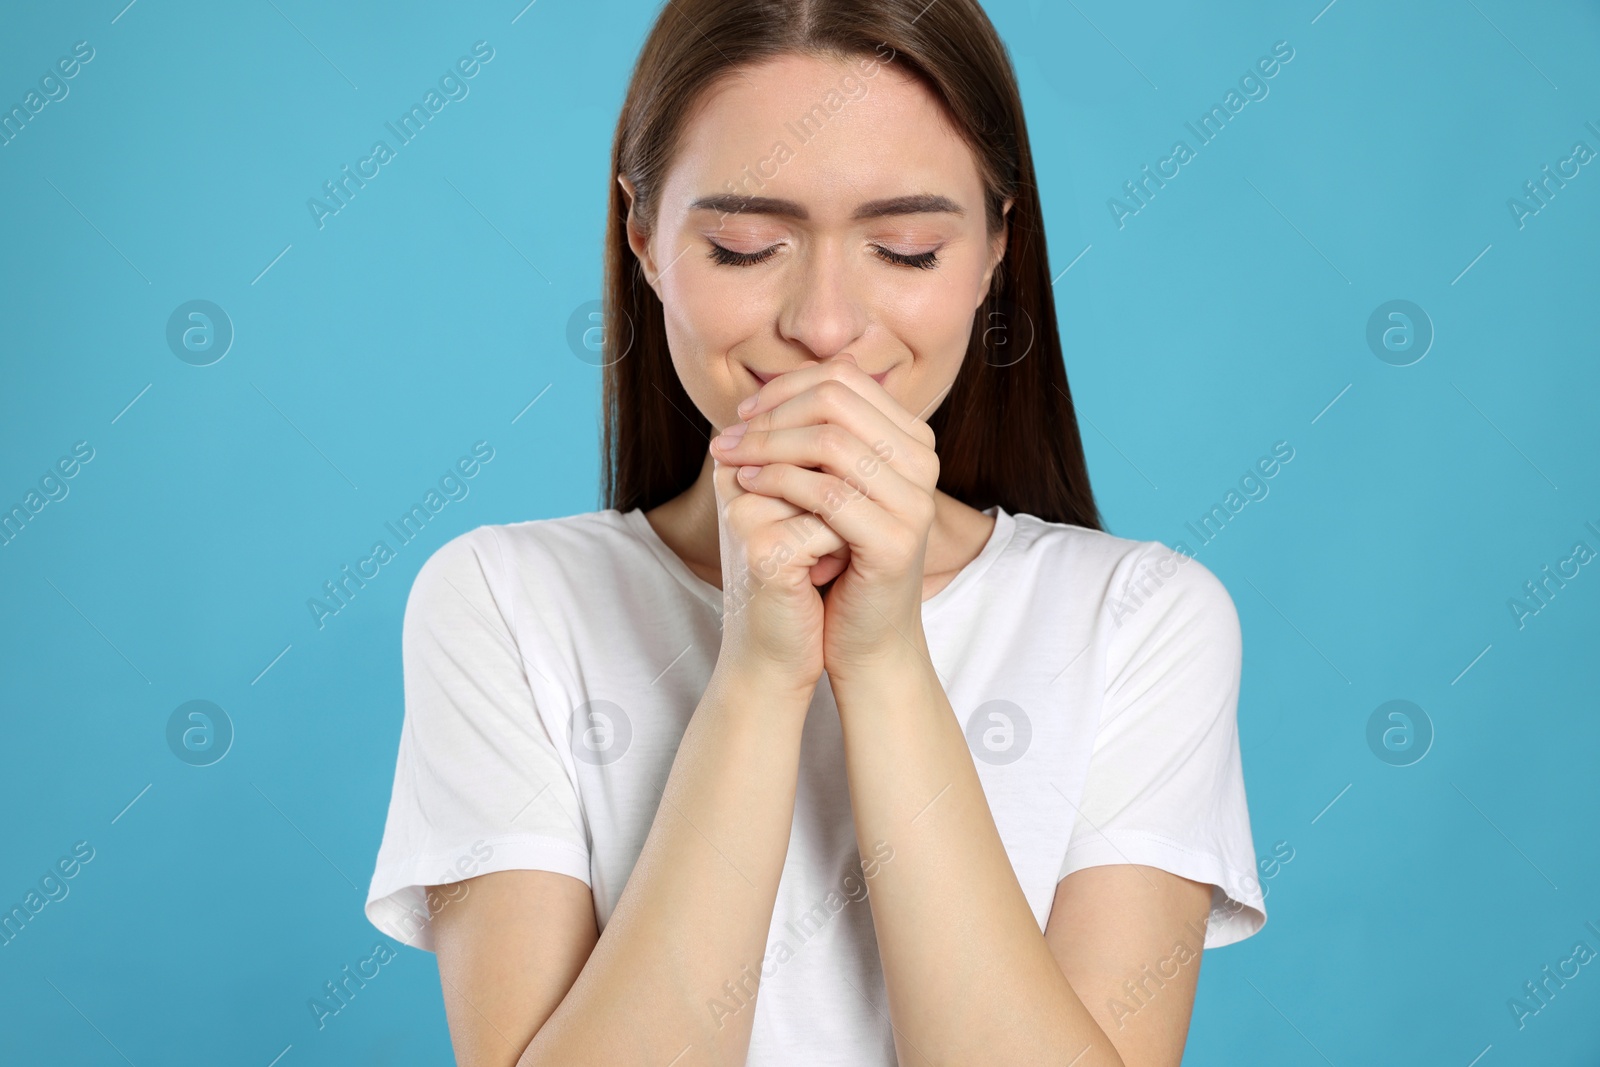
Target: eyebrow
pixel 912 204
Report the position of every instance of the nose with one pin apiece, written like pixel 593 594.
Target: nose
pixel 825 310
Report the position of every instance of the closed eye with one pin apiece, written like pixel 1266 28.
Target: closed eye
pixel 728 257
pixel 922 260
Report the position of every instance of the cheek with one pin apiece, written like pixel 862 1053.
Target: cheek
pixel 934 320
pixel 707 312
pixel 704 303
pixel 707 317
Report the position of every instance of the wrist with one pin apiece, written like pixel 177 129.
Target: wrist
pixel 745 684
pixel 894 669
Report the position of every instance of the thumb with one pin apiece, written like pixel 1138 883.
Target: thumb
pixel 830 566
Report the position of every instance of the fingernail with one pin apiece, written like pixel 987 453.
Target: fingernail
pixel 730 437
pixel 747 403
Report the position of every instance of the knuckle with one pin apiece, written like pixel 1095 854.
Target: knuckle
pixel 904 543
pixel 831 440
pixel 735 514
pixel 756 548
pixel 764 552
pixel 832 393
pixel 833 499
pixel 841 491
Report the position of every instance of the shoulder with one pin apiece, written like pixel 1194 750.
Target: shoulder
pixel 1161 588
pixel 1122 568
pixel 1090 553
pixel 1139 589
pixel 495 546
pixel 486 559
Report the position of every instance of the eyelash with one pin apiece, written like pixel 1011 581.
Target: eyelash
pixel 728 257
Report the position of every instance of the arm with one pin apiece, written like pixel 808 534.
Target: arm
pixel 509 945
pixel 970 976
pixel 694 914
pixel 1129 939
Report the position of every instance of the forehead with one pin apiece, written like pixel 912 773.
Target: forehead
pixel 822 132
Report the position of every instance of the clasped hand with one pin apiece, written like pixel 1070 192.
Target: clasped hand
pixel 830 440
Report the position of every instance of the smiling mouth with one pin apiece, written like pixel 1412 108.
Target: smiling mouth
pixel 765 378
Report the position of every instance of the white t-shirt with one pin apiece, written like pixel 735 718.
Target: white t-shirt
pixel 551 667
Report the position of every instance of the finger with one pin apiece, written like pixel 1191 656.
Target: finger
pixel 846 371
pixel 725 483
pixel 828 568
pixel 845 510
pixel 724 480
pixel 833 449
pixel 804 535
pixel 784 434
pixel 810 538
pixel 763 510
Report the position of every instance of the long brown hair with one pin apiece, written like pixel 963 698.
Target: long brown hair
pixel 1006 432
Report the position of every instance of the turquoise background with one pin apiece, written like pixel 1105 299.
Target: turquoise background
pixel 1230 313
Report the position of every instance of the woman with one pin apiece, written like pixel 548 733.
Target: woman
pixel 860 707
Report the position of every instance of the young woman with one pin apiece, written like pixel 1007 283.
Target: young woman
pixel 849 736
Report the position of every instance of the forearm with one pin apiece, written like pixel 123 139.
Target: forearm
pixel 697 907
pixel 969 975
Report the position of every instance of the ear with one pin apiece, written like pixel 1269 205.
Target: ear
pixel 997 250
pixel 637 239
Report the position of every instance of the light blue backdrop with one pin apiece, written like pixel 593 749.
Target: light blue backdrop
pixel 1229 313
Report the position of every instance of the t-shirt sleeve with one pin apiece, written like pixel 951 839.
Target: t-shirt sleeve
pixel 1165 785
pixel 480 783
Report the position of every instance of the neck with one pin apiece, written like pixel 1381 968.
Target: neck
pixel 692 517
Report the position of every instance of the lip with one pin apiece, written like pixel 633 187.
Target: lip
pixel 765 378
